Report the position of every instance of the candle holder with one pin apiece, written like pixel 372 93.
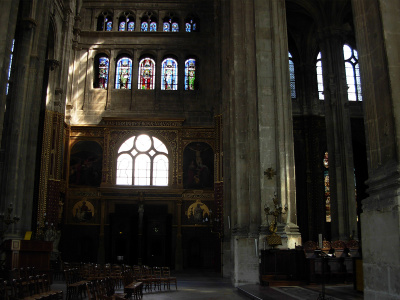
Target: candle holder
pixel 276 212
pixel 7 220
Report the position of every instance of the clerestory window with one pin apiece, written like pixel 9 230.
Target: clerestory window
pixel 292 77
pixel 320 80
pixel 353 77
pixel 169 74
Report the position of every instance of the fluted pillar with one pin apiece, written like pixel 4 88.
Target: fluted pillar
pixel 339 140
pixel 378 40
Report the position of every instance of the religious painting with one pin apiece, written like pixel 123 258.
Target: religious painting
pixel 86 164
pixel 83 211
pixel 197 213
pixel 198 166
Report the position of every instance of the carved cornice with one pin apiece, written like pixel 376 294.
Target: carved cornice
pixel 198 195
pixel 118 122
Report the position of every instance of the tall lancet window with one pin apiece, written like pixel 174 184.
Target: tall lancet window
pixel 10 66
pixel 353 77
pixel 146 74
pixel 123 74
pixel 327 193
pixel 126 22
pixel 104 21
pixel 148 22
pixel 320 79
pixel 190 74
pixel 292 77
pixel 169 74
pixel 170 24
pixel 191 24
pixel 101 67
pixel 142 160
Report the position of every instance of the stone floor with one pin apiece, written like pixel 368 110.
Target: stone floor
pixel 210 286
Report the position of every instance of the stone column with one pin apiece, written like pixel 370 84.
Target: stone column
pixel 9 9
pixel 376 23
pixel 260 130
pixel 21 134
pixel 338 131
pixel 178 250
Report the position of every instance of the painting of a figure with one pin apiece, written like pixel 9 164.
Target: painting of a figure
pixel 86 164
pixel 198 166
pixel 83 211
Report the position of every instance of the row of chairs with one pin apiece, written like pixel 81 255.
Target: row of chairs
pixel 153 278
pixel 104 289
pixel 31 288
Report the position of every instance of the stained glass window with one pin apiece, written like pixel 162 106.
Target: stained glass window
pixel 292 77
pixel 104 22
pixel 353 77
pixel 101 67
pixel 126 22
pixel 320 80
pixel 142 160
pixel 169 74
pixel 170 25
pixel 123 74
pixel 148 22
pixel 327 193
pixel 146 74
pixel 190 74
pixel 9 66
pixel 190 25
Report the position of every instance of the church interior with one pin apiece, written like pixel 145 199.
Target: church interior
pixel 217 135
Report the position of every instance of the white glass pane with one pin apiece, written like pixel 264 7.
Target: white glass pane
pixel 124 170
pixel 143 143
pixel 127 145
pixel 142 170
pixel 160 170
pixel 159 146
pixel 347 53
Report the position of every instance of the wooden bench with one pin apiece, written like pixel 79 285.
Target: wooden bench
pixel 134 289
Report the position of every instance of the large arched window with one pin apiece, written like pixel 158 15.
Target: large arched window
pixel 123 74
pixel 104 21
pixel 320 80
pixel 190 74
pixel 292 77
pixel 101 67
pixel 148 22
pixel 353 77
pixel 147 72
pixel 126 22
pixel 191 24
pixel 169 74
pixel 142 160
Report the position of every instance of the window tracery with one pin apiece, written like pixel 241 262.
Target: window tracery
pixel 353 77
pixel 105 21
pixel 126 22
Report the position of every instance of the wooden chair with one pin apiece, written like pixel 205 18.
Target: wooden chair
pixel 168 279
pixel 157 278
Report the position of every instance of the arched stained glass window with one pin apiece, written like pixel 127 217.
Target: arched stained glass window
pixel 126 22
pixel 142 160
pixel 190 74
pixel 123 74
pixel 104 21
pixel 353 77
pixel 327 193
pixel 320 81
pixel 169 74
pixel 292 77
pixel 191 24
pixel 170 25
pixel 101 67
pixel 148 22
pixel 146 74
